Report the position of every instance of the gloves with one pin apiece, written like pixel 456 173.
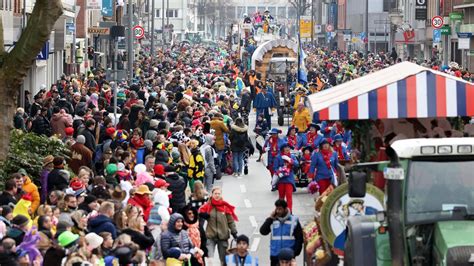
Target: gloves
pixel 234 235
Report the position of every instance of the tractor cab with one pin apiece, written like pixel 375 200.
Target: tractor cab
pixel 429 206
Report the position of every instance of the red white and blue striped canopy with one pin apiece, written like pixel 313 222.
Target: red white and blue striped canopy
pixel 405 90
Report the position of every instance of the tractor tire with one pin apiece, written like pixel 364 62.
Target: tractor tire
pixel 280 120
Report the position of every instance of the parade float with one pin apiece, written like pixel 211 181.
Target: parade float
pixel 366 226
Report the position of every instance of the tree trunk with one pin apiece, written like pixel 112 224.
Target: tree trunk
pixel 15 65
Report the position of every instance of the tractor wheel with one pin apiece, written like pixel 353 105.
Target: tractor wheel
pixel 280 120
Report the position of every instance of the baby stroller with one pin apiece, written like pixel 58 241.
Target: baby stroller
pixel 301 173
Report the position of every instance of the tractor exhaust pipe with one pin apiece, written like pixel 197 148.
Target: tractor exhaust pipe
pixel 394 208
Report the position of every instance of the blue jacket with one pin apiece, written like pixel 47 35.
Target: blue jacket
pixel 263 101
pixel 233 260
pixel 327 133
pixel 269 152
pixel 282 235
pixel 315 143
pixel 287 179
pixel 318 165
pixel 102 223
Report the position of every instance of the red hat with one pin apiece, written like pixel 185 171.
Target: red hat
pixel 69 131
pixel 159 169
pixel 27 197
pixel 161 183
pixel 195 123
pixel 197 114
pixel 109 131
pixel 76 184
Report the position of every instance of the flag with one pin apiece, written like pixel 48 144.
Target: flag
pixel 302 73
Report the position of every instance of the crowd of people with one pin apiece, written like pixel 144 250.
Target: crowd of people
pixel 139 185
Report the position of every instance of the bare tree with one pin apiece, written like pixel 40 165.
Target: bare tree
pixel 303 5
pixel 14 65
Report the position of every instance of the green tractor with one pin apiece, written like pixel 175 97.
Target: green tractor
pixel 429 206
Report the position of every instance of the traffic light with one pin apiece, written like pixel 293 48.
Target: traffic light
pixel 90 53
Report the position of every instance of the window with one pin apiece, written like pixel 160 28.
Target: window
pixel 272 10
pixel 158 13
pixel 291 12
pixel 281 12
pixel 241 10
pixel 172 13
pixel 17 7
pixel 1 4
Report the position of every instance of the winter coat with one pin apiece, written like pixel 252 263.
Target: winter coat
pixel 57 180
pixel 301 119
pixel 238 138
pixel 319 166
pixel 80 156
pixel 59 124
pixel 19 122
pixel 143 202
pixel 279 163
pixel 144 240
pixel 245 102
pixel 286 232
pixel 30 188
pixel 219 129
pixel 172 238
pixel 41 126
pixel 44 184
pixel 208 154
pixel 196 165
pixel 177 187
pixel 102 223
pixel 219 225
pixel 7 199
pixel 90 139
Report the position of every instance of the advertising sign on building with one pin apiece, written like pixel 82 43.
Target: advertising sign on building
pixel 420 9
pixel 305 26
pixel 332 15
pixel 44 53
pixel 107 8
pixel 94 4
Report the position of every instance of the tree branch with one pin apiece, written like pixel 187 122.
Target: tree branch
pixel 37 32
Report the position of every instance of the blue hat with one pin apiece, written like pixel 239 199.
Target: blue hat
pixel 284 145
pixel 316 126
pixel 324 141
pixel 275 131
pixel 174 253
pixel 286 254
pixel 337 137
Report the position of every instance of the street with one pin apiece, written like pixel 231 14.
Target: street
pixel 254 201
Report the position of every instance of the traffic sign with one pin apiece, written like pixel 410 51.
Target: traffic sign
pixel 138 32
pixel 329 28
pixel 446 30
pixel 437 35
pixel 437 22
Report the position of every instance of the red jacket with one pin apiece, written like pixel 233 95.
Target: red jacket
pixel 143 202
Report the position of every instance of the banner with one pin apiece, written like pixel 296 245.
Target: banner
pixel 107 8
pixel 421 9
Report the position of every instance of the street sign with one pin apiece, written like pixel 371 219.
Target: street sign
pixel 138 32
pixel 456 16
pixel 305 27
pixel 329 28
pixel 420 9
pixel 437 35
pixel 317 29
pixel 437 22
pixel 44 53
pixel 107 8
pixel 99 31
pixel 446 30
pixel 94 4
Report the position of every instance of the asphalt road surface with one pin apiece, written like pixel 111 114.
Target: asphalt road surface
pixel 254 202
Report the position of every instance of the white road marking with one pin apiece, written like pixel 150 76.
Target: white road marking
pixel 247 203
pixel 243 189
pixel 255 243
pixel 253 221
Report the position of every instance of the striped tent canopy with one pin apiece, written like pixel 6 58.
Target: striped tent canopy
pixel 404 90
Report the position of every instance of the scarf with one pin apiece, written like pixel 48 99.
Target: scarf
pixel 311 137
pixel 340 155
pixel 292 141
pixel 339 129
pixel 327 157
pixel 274 146
pixel 221 206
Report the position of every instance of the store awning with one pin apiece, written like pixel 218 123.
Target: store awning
pixel 404 90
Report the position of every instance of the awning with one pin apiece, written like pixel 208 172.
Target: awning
pixel 404 90
pixel 267 46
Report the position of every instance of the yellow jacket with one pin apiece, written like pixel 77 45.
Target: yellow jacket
pixel 30 188
pixel 22 208
pixel 301 119
pixel 196 165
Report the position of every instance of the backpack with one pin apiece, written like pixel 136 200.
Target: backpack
pixel 99 150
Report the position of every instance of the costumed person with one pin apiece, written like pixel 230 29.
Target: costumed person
pixel 142 200
pixel 323 166
pixel 271 147
pixel 264 101
pixel 341 148
pixel 293 139
pixel 283 167
pixel 301 117
pixel 312 138
pixel 221 218
pixel 23 207
pixel 196 164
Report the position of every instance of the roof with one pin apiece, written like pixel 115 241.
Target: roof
pixel 404 90
pixel 409 148
pixel 268 45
